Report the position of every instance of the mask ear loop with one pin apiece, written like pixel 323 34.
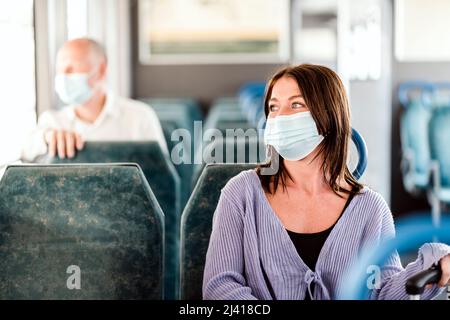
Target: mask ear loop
pixel 272 160
pixel 268 153
pixel 271 153
pixel 98 85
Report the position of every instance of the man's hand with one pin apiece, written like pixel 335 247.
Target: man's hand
pixel 63 143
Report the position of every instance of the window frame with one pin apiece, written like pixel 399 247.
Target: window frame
pixel 10 156
pixel 284 53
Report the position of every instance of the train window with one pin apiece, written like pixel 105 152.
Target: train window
pixel 208 31
pixel 17 77
pixel 315 32
pixel 77 18
pixel 364 41
pixel 419 30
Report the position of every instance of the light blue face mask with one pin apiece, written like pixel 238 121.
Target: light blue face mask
pixel 294 137
pixel 73 89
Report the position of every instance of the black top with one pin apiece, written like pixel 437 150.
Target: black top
pixel 309 245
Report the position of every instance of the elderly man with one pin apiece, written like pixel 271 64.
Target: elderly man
pixel 92 113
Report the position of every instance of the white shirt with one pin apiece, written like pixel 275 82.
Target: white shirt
pixel 121 120
pixel 4 166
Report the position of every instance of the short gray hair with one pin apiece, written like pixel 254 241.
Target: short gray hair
pixel 98 48
pixel 95 46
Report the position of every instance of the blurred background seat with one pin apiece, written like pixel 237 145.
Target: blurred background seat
pixel 179 113
pixel 231 150
pixel 415 99
pixel 440 155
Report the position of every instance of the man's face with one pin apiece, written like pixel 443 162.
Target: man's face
pixel 75 59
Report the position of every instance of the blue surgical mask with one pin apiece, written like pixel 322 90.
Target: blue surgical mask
pixel 294 137
pixel 73 89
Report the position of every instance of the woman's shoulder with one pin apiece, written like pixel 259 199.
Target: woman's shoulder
pixel 242 186
pixel 370 195
pixel 241 182
pixel 372 204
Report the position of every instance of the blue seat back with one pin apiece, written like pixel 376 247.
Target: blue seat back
pixel 414 133
pixel 363 157
pixel 439 139
pixel 103 219
pixel 251 100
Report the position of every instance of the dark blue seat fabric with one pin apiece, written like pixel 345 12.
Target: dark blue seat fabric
pixel 103 219
pixel 196 225
pixel 163 180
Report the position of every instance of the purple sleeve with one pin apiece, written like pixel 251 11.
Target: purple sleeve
pixel 394 276
pixel 224 268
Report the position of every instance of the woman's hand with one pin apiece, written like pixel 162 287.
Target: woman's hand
pixel 445 267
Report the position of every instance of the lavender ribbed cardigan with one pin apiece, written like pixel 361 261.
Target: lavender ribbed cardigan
pixel 250 246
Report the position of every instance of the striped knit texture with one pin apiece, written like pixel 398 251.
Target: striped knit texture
pixel 251 255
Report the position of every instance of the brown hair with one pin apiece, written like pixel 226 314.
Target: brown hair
pixel 325 96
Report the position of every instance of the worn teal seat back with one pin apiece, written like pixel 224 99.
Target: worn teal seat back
pixel 185 170
pixel 102 219
pixel 229 103
pixel 196 225
pixel 178 113
pixel 184 111
pixel 225 117
pixel 163 180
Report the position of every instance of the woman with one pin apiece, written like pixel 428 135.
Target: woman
pixel 293 235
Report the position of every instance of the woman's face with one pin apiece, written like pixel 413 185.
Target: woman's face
pixel 286 98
